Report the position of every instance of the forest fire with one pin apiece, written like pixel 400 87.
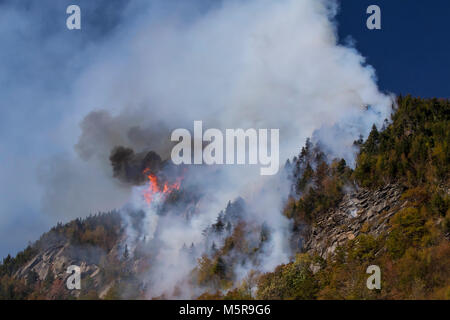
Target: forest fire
pixel 155 190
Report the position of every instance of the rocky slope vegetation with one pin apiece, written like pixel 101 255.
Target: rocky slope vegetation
pixel 391 210
pixel 364 211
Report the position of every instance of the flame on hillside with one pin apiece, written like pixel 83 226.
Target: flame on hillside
pixel 155 189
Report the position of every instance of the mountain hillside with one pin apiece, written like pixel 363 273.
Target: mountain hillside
pixel 391 210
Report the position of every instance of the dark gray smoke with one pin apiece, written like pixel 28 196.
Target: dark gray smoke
pixel 132 168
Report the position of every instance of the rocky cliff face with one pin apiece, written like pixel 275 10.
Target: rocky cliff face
pixel 54 261
pixel 363 211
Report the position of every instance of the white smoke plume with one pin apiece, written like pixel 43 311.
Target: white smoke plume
pixel 239 64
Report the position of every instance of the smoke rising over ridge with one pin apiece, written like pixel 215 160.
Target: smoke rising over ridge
pixel 242 64
pixel 265 64
pixel 237 64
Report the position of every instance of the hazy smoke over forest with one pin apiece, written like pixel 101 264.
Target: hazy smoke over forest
pixel 240 64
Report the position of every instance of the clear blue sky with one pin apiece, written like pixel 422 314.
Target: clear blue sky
pixel 411 53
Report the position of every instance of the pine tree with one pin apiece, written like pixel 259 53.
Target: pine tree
pixel 213 248
pixel 126 254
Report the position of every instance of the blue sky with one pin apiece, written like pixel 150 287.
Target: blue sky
pixel 39 58
pixel 411 53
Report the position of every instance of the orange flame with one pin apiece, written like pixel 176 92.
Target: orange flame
pixel 153 187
